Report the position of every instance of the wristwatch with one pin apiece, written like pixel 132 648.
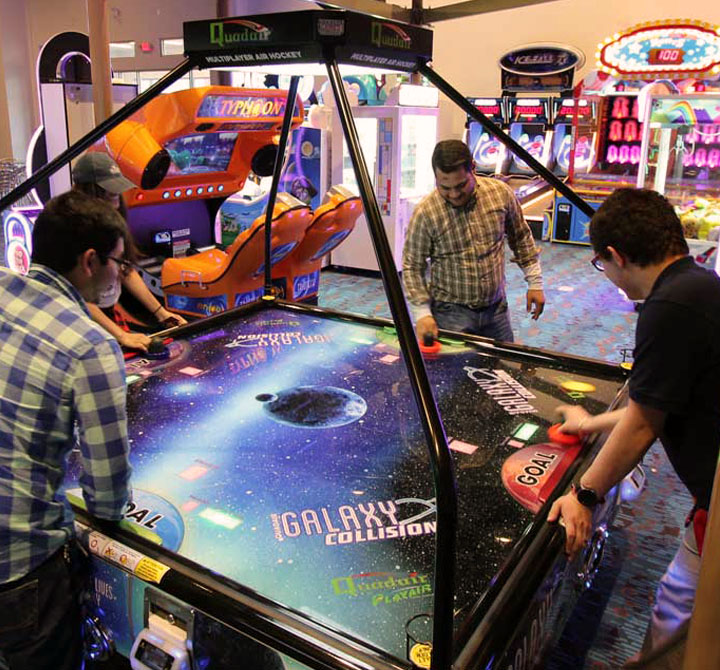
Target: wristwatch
pixel 587 497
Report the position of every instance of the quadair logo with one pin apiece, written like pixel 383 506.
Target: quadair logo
pixel 364 522
pixel 389 35
pixel 238 31
pixel 385 588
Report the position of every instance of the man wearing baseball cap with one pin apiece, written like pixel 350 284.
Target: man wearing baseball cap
pixel 98 168
pixel 98 175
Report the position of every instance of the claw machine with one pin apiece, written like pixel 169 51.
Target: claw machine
pixel 680 158
pixel 397 141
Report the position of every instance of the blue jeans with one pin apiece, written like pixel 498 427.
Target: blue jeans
pixel 492 321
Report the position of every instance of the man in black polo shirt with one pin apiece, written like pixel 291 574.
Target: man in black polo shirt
pixel 674 386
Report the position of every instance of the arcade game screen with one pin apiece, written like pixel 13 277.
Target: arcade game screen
pixel 488 152
pixel 284 451
pixel 203 152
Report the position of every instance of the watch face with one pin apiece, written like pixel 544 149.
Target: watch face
pixel 587 497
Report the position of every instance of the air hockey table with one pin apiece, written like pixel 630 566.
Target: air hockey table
pixel 283 510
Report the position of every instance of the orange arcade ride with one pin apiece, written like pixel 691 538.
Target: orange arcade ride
pixel 188 151
pixel 214 280
pixel 297 276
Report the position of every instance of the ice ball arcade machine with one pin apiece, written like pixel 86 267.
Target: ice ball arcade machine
pixel 488 152
pixel 573 116
pixel 529 74
pixel 663 57
pixel 188 151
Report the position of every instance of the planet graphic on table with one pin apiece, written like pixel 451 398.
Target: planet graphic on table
pixel 313 406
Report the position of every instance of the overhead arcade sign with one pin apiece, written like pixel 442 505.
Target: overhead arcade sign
pixel 542 66
pixel 673 49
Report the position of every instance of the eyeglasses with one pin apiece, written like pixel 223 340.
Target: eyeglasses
pixel 125 265
pixel 597 263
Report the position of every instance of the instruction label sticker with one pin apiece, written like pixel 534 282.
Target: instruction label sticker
pixel 133 561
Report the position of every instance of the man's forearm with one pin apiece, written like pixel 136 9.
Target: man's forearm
pixel 625 446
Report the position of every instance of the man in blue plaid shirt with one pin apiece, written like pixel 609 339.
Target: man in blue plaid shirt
pixel 62 384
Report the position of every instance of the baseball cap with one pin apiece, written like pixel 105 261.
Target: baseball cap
pixel 98 168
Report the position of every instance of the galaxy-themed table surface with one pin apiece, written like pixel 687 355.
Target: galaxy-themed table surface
pixel 283 450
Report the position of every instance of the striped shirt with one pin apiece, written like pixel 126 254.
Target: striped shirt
pixel 62 383
pixel 466 248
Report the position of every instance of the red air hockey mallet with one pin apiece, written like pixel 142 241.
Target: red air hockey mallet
pixel 564 439
pixel 429 345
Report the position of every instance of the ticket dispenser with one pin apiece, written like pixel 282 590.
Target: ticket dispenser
pixel 163 644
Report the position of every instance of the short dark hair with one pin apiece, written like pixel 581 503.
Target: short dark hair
pixel 72 223
pixel 641 224
pixel 451 155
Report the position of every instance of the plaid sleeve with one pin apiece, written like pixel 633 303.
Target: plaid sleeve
pixel 417 249
pixel 100 394
pixel 521 242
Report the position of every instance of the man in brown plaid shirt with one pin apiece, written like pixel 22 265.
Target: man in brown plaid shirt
pixel 461 227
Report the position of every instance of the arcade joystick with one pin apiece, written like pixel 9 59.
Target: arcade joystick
pixel 157 348
pixel 429 345
pixel 564 439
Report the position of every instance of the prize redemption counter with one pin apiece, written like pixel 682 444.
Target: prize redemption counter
pixel 280 473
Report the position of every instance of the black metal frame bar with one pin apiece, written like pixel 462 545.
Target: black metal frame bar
pixel 443 475
pixel 96 133
pixel 277 169
pixel 509 142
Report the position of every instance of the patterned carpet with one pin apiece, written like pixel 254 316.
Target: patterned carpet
pixel 587 316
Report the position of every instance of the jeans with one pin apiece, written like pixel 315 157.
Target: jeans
pixel 40 617
pixel 492 321
pixel 675 595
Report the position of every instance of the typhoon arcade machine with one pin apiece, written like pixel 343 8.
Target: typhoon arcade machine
pixel 665 57
pixel 296 503
pixel 188 151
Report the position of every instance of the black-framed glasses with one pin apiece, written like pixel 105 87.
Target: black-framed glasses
pixel 597 263
pixel 125 265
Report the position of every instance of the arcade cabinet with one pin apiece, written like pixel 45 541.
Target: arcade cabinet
pixel 215 280
pixel 397 141
pixel 528 122
pixel 488 152
pixel 298 275
pixel 619 135
pixel 208 140
pixel 570 114
pixel 680 158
